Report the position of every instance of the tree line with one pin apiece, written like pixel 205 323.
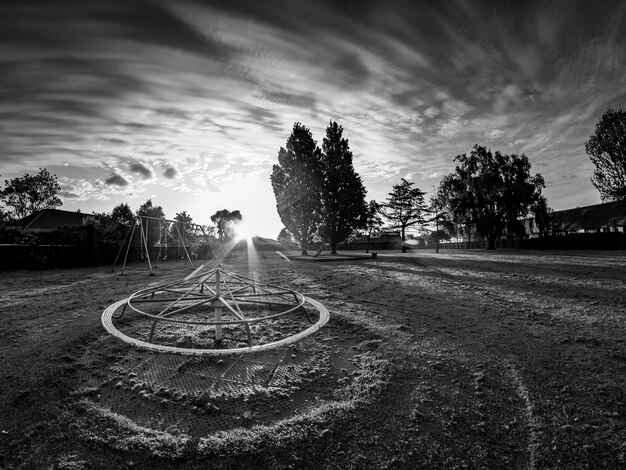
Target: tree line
pixel 489 194
pixel 27 194
pixel 319 194
pixel 113 227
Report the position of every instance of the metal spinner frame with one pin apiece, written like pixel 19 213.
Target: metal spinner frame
pixel 228 298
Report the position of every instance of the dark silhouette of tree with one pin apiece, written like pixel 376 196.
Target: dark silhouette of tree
pixel 123 214
pixel 183 218
pixel 148 210
pixel 404 208
pixel 29 193
pixel 296 182
pixel 224 220
pixel 373 221
pixel 184 229
pixel 343 195
pixel 607 150
pixel 109 232
pixel 151 228
pixel 441 218
pixel 110 229
pixel 285 237
pixel 541 215
pixel 494 191
pixel 455 200
pixel 4 217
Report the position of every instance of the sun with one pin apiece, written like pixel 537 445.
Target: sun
pixel 243 231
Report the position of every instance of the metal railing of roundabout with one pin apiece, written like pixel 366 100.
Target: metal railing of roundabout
pixel 215 301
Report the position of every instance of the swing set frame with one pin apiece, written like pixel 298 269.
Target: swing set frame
pixel 143 223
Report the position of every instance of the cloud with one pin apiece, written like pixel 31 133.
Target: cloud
pixel 452 127
pixel 141 170
pixel 68 195
pixel 380 169
pixel 170 172
pixel 494 133
pixel 282 98
pixel 116 180
pixel 432 111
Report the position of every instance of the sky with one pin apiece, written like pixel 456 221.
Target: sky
pixel 187 103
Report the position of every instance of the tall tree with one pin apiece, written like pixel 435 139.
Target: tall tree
pixel 404 207
pixel 541 215
pixel 343 195
pixel 373 221
pixel 29 193
pixel 151 228
pixel 296 181
pixel 149 210
pixel 224 221
pixel 109 232
pixel 455 200
pixel 440 217
pixel 185 227
pixel 122 214
pixel 607 150
pixel 183 218
pixel 522 195
pixel 494 191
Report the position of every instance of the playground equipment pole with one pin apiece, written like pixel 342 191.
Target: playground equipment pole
pixel 218 308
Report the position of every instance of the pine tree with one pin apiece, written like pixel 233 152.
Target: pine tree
pixel 296 181
pixel 343 193
pixel 404 208
pixel 374 221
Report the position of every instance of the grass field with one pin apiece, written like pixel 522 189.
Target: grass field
pixel 463 359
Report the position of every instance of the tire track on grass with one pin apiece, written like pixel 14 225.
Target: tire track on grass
pixel 529 412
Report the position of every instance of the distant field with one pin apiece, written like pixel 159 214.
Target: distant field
pixel 463 359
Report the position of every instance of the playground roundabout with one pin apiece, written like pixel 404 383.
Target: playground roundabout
pixel 217 353
pixel 215 313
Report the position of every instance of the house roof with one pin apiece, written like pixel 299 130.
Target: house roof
pixel 50 219
pixel 599 215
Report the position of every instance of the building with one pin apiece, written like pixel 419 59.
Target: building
pixel 386 240
pixel 599 218
pixel 48 220
pixel 49 238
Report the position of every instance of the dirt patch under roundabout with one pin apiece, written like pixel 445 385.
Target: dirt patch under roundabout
pixel 202 395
